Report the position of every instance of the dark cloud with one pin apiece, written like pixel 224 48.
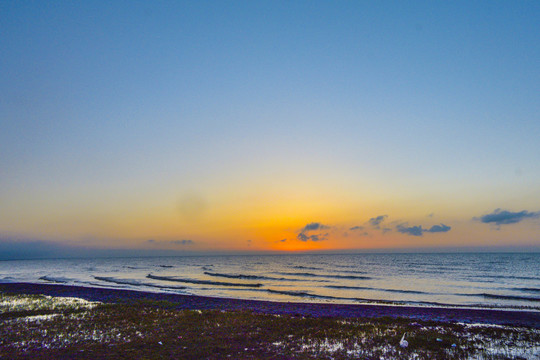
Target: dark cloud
pixel 314 226
pixel 356 228
pixel 302 237
pixel 418 230
pixel 306 234
pixel 410 230
pixel 439 228
pixel 504 217
pixel 282 240
pixel 376 221
pixel 315 237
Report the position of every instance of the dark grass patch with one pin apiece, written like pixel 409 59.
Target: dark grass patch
pixel 150 329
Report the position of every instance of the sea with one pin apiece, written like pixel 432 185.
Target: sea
pixel 480 280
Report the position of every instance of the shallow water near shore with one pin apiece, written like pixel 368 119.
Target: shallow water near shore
pixel 466 279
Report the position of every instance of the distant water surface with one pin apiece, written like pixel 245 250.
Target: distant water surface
pixel 465 279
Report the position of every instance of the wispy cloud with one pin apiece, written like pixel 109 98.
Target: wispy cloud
pixel 505 217
pixel 354 228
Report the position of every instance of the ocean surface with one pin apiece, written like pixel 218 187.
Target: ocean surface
pixel 507 280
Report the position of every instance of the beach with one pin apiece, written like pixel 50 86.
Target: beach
pixel 185 326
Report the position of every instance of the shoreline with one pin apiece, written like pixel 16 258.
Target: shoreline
pixel 524 318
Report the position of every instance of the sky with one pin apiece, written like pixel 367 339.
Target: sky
pixel 238 126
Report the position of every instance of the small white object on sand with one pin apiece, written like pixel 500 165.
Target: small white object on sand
pixel 403 343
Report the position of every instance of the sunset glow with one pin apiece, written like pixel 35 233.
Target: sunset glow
pixel 269 127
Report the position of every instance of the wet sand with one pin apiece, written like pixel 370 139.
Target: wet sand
pixel 527 318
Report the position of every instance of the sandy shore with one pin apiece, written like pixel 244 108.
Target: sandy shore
pixel 463 315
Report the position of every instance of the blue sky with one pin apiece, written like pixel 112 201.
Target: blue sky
pixel 267 116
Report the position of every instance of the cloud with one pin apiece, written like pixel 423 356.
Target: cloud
pixel 315 237
pixel 282 241
pixel 376 221
pixel 306 234
pixel 356 228
pixel 418 230
pixel 314 226
pixel 505 217
pixel 302 237
pixel 439 228
pixel 171 242
pixel 410 230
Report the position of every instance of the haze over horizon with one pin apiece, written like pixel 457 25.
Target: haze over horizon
pixel 235 127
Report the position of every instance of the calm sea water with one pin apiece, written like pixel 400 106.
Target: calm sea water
pixel 484 279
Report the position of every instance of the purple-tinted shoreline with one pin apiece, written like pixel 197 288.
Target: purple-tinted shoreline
pixel 462 315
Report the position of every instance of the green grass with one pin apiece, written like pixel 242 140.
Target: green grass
pixel 156 330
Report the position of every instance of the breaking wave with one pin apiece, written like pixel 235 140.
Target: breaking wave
pixel 328 276
pixel 307 267
pixel 58 280
pixel 533 290
pixel 134 283
pixel 201 282
pixel 344 287
pixel 248 277
pixel 509 297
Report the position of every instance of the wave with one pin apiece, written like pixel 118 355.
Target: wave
pixel 502 297
pixel 330 276
pixel 166 266
pixel 513 277
pixel 509 297
pixel 350 287
pixel 58 280
pixel 241 276
pixel 345 266
pixel 249 277
pixel 526 289
pixel 349 271
pixel 305 294
pixel 135 283
pixel 306 267
pixel 200 282
pixel 290 293
pixel 377 289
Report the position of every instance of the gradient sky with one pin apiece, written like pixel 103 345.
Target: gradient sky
pixel 269 125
